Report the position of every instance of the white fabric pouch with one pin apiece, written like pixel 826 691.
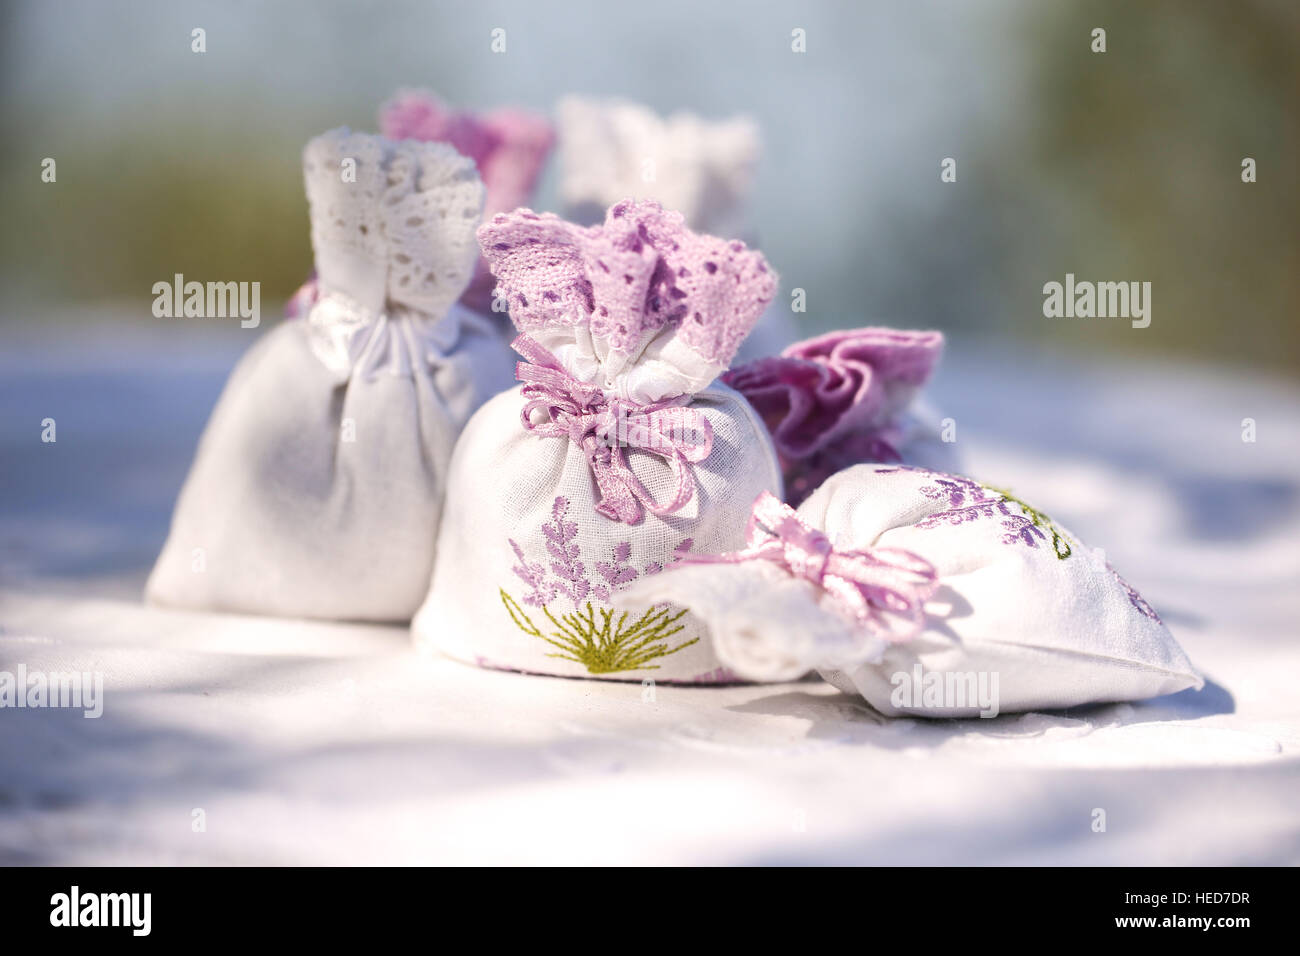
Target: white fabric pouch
pixel 619 455
pixel 927 594
pixel 317 487
pixel 611 149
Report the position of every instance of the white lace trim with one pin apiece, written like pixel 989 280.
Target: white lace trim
pixel 402 232
pixel 764 624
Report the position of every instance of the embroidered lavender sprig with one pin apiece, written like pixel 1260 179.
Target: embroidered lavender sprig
pixel 1134 598
pixel 1022 530
pixel 968 500
pixel 534 575
pixel 568 568
pixel 957 490
pixel 567 574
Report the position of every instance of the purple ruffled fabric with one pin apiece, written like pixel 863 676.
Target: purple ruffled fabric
pixel 835 400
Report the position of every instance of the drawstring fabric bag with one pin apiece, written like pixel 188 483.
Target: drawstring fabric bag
pixel 620 454
pixel 317 486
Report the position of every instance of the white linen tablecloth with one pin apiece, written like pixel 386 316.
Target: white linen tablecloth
pixel 328 743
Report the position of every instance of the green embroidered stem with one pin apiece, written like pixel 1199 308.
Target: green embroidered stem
pixel 511 607
pixel 1060 543
pixel 604 645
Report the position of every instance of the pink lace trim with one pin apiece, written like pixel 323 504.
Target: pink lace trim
pixel 640 272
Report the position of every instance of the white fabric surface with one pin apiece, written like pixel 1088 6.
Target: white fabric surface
pixel 332 743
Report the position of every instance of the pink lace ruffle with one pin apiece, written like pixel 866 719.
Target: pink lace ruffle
pixel 638 273
pixel 509 147
pixel 832 401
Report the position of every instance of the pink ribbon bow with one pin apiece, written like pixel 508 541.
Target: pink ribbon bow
pixel 601 426
pixel 865 585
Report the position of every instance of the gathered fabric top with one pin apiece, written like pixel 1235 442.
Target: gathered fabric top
pixel 640 306
pixel 392 223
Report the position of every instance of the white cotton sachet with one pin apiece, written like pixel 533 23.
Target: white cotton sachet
pixel 612 149
pixel 618 455
pixel 927 594
pixel 318 483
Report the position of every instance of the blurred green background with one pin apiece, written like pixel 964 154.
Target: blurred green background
pixel 1123 165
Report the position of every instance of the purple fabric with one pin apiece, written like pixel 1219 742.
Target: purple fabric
pixel 639 272
pixel 834 401
pixel 509 146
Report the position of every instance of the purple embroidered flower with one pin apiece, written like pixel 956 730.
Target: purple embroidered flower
pixel 1023 530
pixel 616 573
pixel 956 489
pixel 534 575
pixel 968 500
pixel 567 573
pixel 984 509
pixel 1137 600
pixel 567 565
